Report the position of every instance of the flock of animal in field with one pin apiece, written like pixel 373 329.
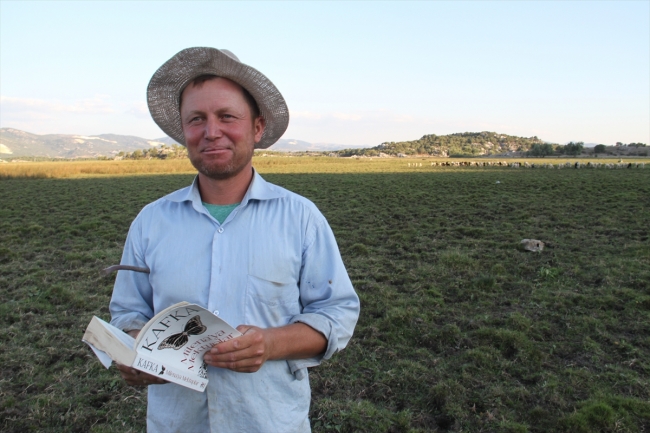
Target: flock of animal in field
pixel 567 164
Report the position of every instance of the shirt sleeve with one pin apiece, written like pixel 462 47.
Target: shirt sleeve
pixel 131 305
pixel 330 304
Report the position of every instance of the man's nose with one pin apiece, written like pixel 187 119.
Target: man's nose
pixel 212 129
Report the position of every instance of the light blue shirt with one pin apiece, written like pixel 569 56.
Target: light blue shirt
pixel 274 261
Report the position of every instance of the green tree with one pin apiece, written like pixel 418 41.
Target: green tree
pixel 541 149
pixel 599 148
pixel 574 149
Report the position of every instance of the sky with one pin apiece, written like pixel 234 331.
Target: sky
pixel 352 73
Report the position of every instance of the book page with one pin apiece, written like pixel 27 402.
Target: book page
pixel 108 341
pixel 101 355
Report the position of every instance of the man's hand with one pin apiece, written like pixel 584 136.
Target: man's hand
pixel 135 377
pixel 244 354
pixel 247 354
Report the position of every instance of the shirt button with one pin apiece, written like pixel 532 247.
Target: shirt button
pixel 220 230
pixel 215 312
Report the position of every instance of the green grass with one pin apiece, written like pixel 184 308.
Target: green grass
pixel 460 330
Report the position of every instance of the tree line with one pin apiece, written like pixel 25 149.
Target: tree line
pixel 173 151
pixel 465 144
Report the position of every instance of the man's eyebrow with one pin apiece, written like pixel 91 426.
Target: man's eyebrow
pixel 221 110
pixel 195 111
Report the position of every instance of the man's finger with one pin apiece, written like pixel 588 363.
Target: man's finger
pixel 248 365
pixel 235 356
pixel 240 343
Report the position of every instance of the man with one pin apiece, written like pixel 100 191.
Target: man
pixel 256 254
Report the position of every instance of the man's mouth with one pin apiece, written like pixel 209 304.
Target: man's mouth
pixel 215 150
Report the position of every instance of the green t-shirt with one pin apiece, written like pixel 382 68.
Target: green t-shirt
pixel 220 211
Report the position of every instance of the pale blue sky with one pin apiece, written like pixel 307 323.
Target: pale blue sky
pixel 356 73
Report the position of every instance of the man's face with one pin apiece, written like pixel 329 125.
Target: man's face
pixel 220 133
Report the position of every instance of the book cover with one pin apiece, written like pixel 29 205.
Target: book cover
pixel 171 345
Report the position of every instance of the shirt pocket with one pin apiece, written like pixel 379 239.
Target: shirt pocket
pixel 271 300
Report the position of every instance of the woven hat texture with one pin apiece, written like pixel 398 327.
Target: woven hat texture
pixel 166 85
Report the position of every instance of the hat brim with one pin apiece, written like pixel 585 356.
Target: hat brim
pixel 166 85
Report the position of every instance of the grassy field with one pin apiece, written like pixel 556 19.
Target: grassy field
pixel 459 331
pixel 265 164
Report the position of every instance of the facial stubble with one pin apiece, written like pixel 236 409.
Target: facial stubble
pixel 216 170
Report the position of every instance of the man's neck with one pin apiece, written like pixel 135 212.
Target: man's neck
pixel 225 191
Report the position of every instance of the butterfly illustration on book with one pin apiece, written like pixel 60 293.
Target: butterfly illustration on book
pixel 176 341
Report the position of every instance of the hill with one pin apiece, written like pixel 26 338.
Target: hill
pixel 459 144
pixel 17 143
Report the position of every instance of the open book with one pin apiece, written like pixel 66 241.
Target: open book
pixel 171 345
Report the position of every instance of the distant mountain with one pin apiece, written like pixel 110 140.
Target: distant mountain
pixel 168 141
pixel 291 145
pixel 16 143
pixel 288 145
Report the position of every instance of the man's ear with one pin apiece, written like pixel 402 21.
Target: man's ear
pixel 259 126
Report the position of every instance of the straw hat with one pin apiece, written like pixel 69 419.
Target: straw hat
pixel 166 85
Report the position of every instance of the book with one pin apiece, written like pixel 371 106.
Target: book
pixel 171 345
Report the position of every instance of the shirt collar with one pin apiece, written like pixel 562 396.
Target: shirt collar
pixel 259 189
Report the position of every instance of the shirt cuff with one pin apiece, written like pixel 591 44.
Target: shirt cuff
pixel 130 322
pixel 321 324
